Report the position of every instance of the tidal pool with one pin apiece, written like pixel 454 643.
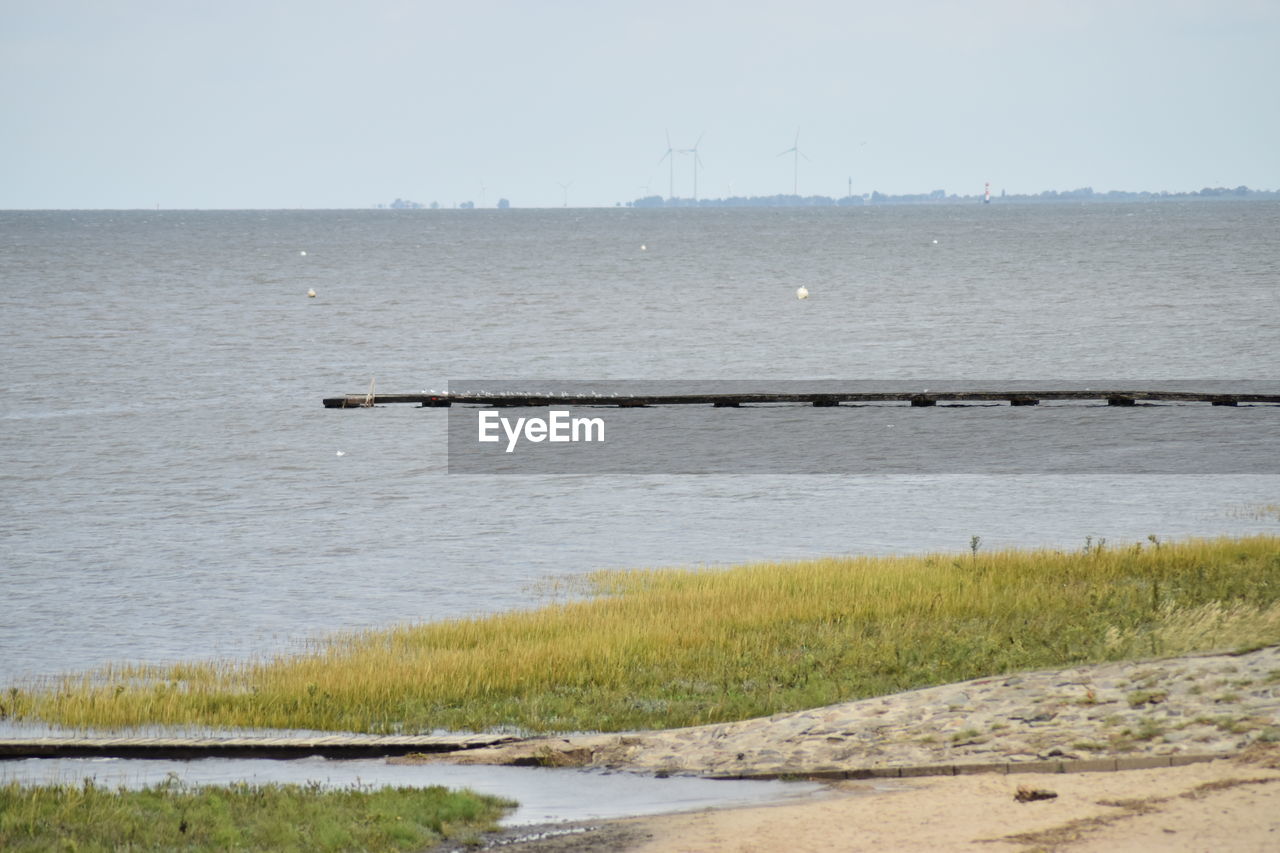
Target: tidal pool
pixel 545 795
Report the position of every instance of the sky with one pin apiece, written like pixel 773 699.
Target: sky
pixel 328 104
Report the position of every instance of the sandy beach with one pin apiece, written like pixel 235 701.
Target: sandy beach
pixel 1222 805
pixel 1218 806
pixel 1173 754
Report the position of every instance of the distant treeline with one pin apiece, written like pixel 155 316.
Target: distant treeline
pixel 941 197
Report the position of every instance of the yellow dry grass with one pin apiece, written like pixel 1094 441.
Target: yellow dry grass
pixel 660 648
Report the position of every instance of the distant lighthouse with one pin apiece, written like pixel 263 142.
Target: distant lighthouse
pixel 986 197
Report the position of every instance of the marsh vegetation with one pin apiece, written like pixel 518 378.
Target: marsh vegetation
pixel 171 816
pixel 663 648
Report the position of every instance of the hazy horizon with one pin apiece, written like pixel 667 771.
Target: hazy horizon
pixel 708 204
pixel 286 104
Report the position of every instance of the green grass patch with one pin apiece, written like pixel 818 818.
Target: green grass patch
pixel 968 736
pixel 662 648
pixel 1147 730
pixel 171 816
pixel 1090 746
pixel 1138 698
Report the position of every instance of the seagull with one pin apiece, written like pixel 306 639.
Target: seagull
pixel 311 292
pixel 802 292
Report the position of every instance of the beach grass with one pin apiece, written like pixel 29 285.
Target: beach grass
pixel 171 816
pixel 664 648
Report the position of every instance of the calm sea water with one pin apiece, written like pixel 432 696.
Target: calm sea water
pixel 173 488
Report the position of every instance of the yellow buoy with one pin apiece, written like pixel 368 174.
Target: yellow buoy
pixel 311 292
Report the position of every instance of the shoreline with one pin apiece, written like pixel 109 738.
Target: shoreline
pixel 1215 715
pixel 1228 805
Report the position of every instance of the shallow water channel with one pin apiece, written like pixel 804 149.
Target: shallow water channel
pixel 545 795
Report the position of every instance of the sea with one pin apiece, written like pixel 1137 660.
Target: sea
pixel 173 488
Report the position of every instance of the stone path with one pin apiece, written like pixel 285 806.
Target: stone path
pixel 1108 716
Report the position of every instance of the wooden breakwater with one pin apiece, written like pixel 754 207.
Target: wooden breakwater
pixel 1114 397
pixel 329 746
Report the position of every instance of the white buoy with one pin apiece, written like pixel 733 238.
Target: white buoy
pixel 303 253
pixel 802 292
pixel 311 292
pixel 935 242
pixel 643 247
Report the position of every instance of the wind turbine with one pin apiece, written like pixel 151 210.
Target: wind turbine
pixel 697 161
pixel 795 149
pixel 565 187
pixel 671 186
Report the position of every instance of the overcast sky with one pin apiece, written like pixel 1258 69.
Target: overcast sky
pixel 320 103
